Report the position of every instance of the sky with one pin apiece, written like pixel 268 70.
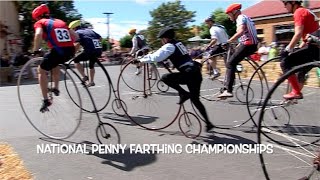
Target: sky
pixel 129 14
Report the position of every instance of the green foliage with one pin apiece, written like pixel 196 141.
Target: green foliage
pixel 104 44
pixel 63 10
pixel 172 14
pixel 220 18
pixel 126 42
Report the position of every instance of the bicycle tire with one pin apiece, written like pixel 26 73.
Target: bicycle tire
pixel 210 89
pixel 264 87
pixel 105 131
pixel 185 120
pixel 301 151
pixel 101 89
pixel 119 107
pixel 135 81
pixel 241 96
pixel 145 109
pixel 29 91
pixel 162 87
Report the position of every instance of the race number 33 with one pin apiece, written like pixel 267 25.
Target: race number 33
pixel 96 43
pixel 62 35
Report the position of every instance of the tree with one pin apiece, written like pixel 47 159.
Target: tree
pixel 63 10
pixel 170 14
pixel 126 42
pixel 220 17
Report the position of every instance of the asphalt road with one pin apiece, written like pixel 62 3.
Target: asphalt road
pixel 16 130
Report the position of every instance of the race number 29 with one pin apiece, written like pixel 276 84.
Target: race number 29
pixel 96 43
pixel 62 35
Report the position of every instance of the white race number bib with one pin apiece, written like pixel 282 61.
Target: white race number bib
pixel 96 43
pixel 63 35
pixel 182 48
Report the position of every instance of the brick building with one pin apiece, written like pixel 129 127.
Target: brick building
pixel 9 28
pixel 273 22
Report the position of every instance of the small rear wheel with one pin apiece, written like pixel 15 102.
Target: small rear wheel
pixel 189 125
pixel 107 134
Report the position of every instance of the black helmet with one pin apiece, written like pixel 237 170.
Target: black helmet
pixel 167 32
pixel 210 18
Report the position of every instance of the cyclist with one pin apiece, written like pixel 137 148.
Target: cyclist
pixel 58 37
pixel 305 22
pixel 248 40
pixel 189 70
pixel 92 49
pixel 139 46
pixel 219 37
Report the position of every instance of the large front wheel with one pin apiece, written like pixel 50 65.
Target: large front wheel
pixel 62 118
pixel 294 134
pixel 100 92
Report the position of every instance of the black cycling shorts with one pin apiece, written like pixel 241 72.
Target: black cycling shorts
pixel 52 59
pixel 84 56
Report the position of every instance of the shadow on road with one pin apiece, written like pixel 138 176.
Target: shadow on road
pixel 141 119
pixel 226 138
pixel 126 161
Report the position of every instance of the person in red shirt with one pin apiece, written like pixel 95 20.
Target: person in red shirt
pixel 305 23
pixel 59 39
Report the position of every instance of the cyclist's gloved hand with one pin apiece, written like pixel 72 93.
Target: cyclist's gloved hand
pixel 285 53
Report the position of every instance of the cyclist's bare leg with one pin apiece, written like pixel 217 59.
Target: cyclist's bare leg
pixel 43 82
pixel 138 65
pixel 92 73
pixel 213 64
pixel 80 69
pixel 56 77
pixel 152 71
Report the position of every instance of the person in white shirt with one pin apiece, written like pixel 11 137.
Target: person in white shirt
pixel 219 37
pixel 248 40
pixel 139 47
pixel 263 51
pixel 189 71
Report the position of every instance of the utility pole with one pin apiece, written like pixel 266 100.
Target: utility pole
pixel 108 26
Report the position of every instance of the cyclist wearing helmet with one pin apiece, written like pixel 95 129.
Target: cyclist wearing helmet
pixel 91 43
pixel 305 22
pixel 219 37
pixel 139 45
pixel 58 37
pixel 248 40
pixel 189 71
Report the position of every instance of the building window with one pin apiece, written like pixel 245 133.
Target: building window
pixel 284 33
pixel 260 35
pixel 259 31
